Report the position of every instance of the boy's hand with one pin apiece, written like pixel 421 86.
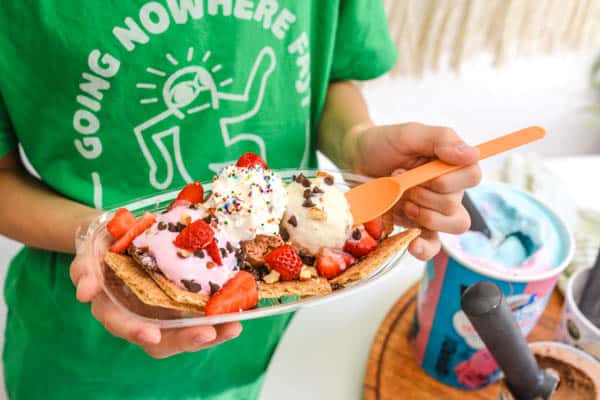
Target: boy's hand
pixel 158 343
pixel 434 206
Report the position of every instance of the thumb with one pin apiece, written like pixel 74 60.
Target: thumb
pixel 88 287
pixel 440 142
pixel 457 153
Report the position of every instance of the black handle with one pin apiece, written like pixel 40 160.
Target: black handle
pixel 590 297
pixel 492 318
pixel 477 222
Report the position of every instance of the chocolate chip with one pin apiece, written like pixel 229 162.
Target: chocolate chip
pixel 172 227
pixel 179 226
pixel 294 178
pixel 307 193
pixel 293 221
pixel 317 189
pixel 308 260
pixel 214 288
pixel 223 252
pixel 229 247
pixel 192 286
pixel 308 203
pixel 161 226
pixel 328 180
pixel 262 271
pixel 192 206
pixel 356 234
pixel 207 219
pixel 285 235
pixel 199 253
pixel 305 182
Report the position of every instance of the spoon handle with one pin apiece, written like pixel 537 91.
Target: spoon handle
pixel 433 169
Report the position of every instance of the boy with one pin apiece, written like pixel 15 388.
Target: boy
pixel 115 100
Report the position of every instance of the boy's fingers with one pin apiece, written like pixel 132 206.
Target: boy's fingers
pixel 87 288
pixel 122 325
pixel 456 223
pixel 439 142
pixel 446 204
pixel 181 340
pixel 456 181
pixel 425 246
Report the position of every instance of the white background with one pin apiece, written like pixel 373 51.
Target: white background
pixel 479 104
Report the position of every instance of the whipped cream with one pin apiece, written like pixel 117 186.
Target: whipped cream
pixel 325 223
pixel 247 202
pixel 158 242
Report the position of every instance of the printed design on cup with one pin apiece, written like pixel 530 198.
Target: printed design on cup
pixel 429 296
pixel 476 371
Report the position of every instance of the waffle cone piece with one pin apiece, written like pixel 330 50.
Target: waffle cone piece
pixel 153 289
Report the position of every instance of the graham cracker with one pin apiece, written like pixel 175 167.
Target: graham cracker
pixel 310 287
pixel 145 289
pixel 386 249
pixel 172 290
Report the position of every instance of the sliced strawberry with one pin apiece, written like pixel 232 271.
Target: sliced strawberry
pixel 192 192
pixel 360 243
pixel 178 203
pixel 120 223
pixel 375 228
pixel 285 261
pixel 213 251
pixel 195 236
pixel 145 222
pixel 238 294
pixel 248 160
pixel 331 262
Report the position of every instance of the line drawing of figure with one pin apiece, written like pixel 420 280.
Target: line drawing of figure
pixel 179 92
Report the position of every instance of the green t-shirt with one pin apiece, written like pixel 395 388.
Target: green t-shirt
pixel 115 100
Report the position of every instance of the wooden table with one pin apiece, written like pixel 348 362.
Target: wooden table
pixel 392 372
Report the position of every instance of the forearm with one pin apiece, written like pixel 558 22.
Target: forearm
pixel 344 117
pixel 33 214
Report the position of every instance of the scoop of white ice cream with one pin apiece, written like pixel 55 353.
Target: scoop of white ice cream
pixel 247 202
pixel 318 214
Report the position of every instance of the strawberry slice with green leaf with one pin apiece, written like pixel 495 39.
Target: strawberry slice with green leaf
pixel 145 222
pixel 285 261
pixel 120 223
pixel 238 294
pixel 248 160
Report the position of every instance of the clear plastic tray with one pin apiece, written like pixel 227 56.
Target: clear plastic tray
pixel 99 240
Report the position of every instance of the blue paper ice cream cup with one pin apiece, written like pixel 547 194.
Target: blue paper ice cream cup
pixel 529 247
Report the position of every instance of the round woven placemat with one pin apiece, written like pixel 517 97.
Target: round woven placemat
pixel 392 372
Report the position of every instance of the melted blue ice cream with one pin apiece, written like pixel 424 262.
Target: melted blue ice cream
pixel 514 236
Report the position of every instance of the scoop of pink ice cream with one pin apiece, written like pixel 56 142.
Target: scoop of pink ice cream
pixel 187 270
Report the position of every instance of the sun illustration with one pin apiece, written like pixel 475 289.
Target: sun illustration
pixel 185 84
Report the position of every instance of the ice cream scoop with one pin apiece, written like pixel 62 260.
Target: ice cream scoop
pixel 247 201
pixel 196 271
pixel 492 318
pixel 317 215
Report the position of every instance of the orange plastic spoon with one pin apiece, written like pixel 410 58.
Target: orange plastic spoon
pixel 372 199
